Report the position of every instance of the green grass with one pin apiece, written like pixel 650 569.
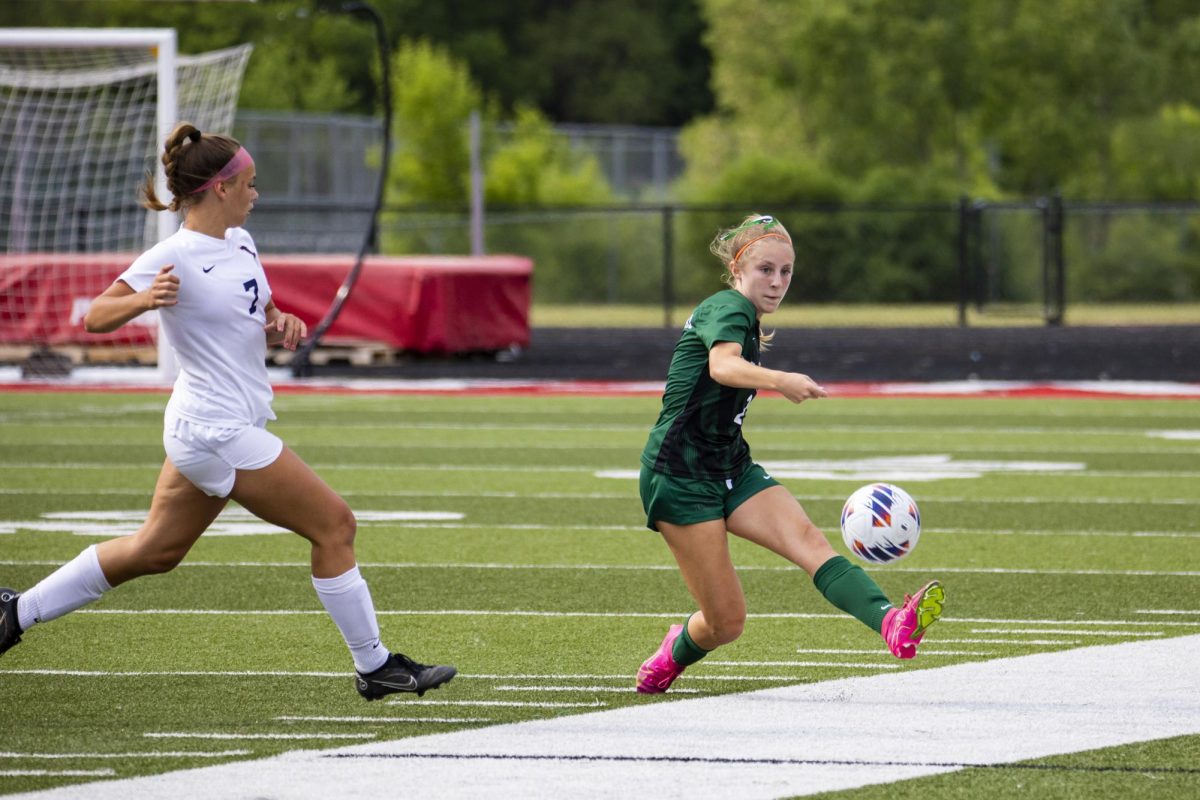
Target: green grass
pixel 1093 543
pixel 838 315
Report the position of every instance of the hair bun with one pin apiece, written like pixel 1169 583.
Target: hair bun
pixel 195 135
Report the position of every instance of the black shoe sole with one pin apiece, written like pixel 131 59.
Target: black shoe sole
pixel 442 675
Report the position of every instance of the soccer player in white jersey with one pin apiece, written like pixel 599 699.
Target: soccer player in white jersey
pixel 207 283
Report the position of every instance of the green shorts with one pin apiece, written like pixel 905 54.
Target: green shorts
pixel 686 501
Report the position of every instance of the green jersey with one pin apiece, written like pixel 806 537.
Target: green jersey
pixel 699 431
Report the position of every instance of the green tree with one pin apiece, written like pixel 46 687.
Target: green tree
pixel 304 59
pixel 432 100
pixel 537 167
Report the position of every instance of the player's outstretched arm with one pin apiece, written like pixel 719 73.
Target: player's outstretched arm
pixel 120 303
pixel 728 368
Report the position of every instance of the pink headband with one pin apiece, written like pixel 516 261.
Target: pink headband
pixel 241 159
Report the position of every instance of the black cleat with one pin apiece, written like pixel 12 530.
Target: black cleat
pixel 10 629
pixel 401 674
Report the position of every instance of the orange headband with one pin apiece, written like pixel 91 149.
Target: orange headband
pixel 752 241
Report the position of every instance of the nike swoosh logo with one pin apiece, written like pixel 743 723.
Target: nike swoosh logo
pixel 411 683
pixel 208 269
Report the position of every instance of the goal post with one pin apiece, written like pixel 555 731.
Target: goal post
pixel 83 114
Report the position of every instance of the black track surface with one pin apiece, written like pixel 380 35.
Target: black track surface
pixel 1158 353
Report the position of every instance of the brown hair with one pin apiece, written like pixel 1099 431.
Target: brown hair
pixel 190 158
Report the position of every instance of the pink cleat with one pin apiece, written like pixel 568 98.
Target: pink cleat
pixel 659 671
pixel 903 627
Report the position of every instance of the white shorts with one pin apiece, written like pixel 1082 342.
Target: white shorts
pixel 210 457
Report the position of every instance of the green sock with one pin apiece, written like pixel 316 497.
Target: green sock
pixel 685 651
pixel 851 589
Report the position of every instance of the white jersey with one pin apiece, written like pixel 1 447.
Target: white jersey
pixel 217 327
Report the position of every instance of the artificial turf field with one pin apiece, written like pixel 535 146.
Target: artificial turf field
pixel 503 534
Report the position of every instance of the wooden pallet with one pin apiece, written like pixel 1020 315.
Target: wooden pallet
pixel 359 354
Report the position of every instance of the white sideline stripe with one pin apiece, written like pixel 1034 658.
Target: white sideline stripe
pixel 196 735
pixel 446 720
pixel 146 754
pixel 780 742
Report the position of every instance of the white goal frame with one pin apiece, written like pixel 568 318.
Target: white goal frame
pixel 163 43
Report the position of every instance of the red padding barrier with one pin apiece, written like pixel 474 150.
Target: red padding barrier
pixel 422 304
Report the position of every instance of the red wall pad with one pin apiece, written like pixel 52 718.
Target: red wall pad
pixel 421 304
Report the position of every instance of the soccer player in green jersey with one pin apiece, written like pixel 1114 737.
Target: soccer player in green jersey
pixel 699 483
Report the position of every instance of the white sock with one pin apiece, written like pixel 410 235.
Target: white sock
pixel 71 586
pixel 348 601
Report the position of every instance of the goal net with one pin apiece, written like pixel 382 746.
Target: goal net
pixel 83 114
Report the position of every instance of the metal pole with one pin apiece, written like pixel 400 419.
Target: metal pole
pixel 476 188
pixel 668 213
pixel 964 288
pixel 1056 260
pixel 301 362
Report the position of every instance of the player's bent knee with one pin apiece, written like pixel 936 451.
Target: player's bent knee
pixel 335 531
pixel 345 526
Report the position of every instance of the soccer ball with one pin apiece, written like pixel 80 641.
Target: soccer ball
pixel 881 523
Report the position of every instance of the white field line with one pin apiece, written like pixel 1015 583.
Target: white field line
pixel 1167 611
pixel 605 615
pixel 1065 632
pixel 75 673
pixel 668 568
pixel 144 754
pixel 475 526
pixel 144 491
pixel 781 742
pixel 116 529
pixel 613 689
pixel 925 651
pixel 840 664
pixel 254 736
pixel 57 773
pixel 544 428
pixel 503 703
pixel 627 676
pixel 107 466
pixel 1047 642
pixel 383 720
pixel 634 443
